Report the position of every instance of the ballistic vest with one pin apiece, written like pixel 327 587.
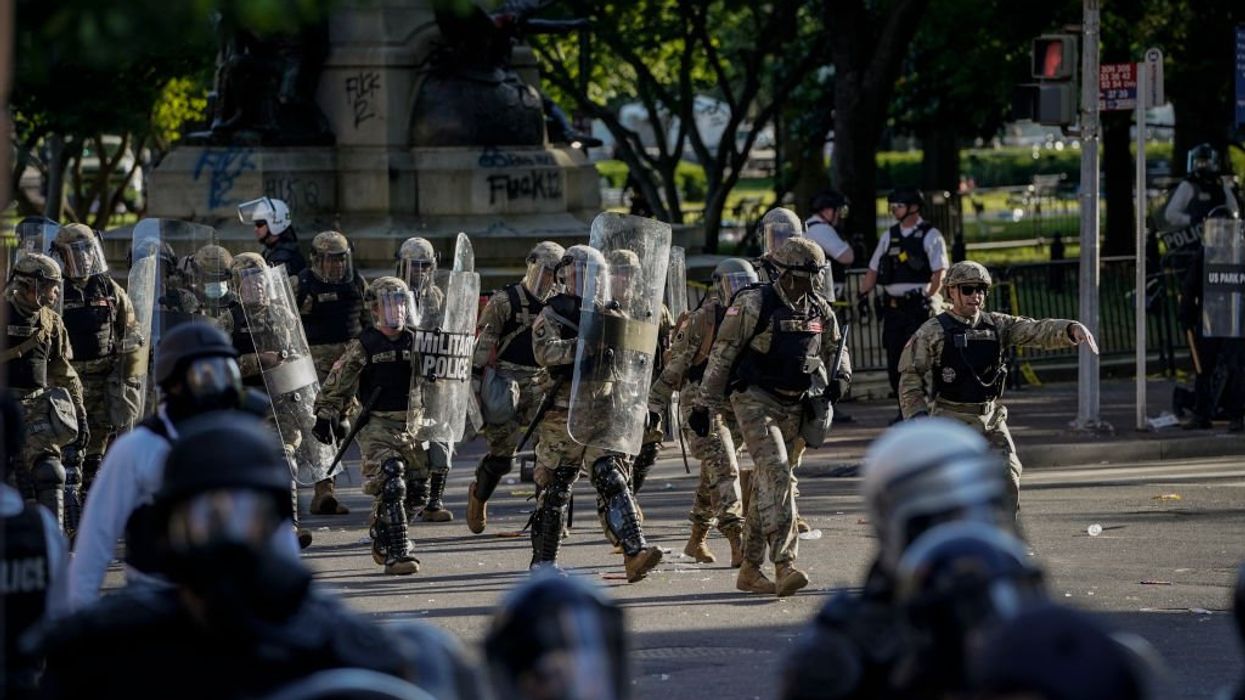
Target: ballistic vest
pixel 971 367
pixel 516 331
pixel 90 313
pixel 29 370
pixel 388 365
pixel 568 308
pixel 795 345
pixel 1207 195
pixel 700 361
pixel 905 260
pixel 330 311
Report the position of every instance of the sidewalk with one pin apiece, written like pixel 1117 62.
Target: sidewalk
pixel 1040 420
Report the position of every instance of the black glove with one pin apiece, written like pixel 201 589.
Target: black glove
pixel 835 390
pixel 698 421
pixel 341 428
pixel 652 421
pixel 323 430
pixel 862 307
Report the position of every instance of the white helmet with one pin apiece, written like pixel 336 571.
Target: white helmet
pixel 274 212
pixel 928 471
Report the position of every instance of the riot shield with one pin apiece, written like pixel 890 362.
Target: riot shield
pixel 676 282
pixel 464 254
pixel 445 323
pixel 143 288
pixel 285 361
pixel 1223 278
pixel 618 332
pixel 34 235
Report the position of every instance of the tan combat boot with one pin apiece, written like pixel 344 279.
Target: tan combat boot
pixel 304 537
pixel 641 563
pixel 801 525
pixel 789 579
pixel 402 566
pixel 735 535
pixel 477 511
pixel 697 547
pixel 752 580
pixel 745 489
pixel 324 500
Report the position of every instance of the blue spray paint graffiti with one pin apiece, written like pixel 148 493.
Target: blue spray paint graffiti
pixel 224 166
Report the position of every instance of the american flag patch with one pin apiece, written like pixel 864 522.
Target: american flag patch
pixel 733 311
pixel 814 326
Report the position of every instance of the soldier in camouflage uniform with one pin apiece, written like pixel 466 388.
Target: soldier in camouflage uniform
pixel 109 355
pixel 772 340
pixel 559 458
pixel 379 362
pixel 208 295
pixel 37 362
pixel 718 495
pixel 654 433
pixel 330 296
pixel 504 350
pixel 953 365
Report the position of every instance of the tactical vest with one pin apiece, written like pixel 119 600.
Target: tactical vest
pixel 971 367
pixel 794 347
pixel 700 361
pixel 388 365
pixel 1207 195
pixel 141 548
pixel 24 584
pixel 515 337
pixel 330 311
pixel 29 370
pixel 90 314
pixel 241 333
pixel 286 252
pixel 905 260
pixel 568 308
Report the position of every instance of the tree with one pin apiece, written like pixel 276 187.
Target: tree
pixel 668 53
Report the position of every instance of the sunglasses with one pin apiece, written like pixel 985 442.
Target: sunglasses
pixel 971 289
pixel 260 224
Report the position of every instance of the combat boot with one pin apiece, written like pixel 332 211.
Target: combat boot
pixel 324 500
pixel 697 547
pixel 404 565
pixel 416 498
pixel 789 579
pixel 435 511
pixel 752 580
pixel 745 489
pixel 477 511
pixel 304 537
pixel 639 564
pixel 801 525
pixel 735 535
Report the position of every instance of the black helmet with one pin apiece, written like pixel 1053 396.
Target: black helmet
pixel 186 342
pixel 225 450
pixel 1202 159
pixel 910 196
pixel 828 199
pixel 557 636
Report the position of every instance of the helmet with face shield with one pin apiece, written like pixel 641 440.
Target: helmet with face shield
pixel 542 265
pixel 577 264
pixel 417 262
pixel 273 213
pixel 732 275
pixel 210 271
pixel 625 274
pixel 331 258
pixel 77 248
pixel 392 304
pixel 778 225
pixel 38 278
pixel 250 279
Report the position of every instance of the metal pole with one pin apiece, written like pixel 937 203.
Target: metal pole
pixel 1139 302
pixel 1087 412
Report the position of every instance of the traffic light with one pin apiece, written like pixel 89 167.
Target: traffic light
pixel 1053 100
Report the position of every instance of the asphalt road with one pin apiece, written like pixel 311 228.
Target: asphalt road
pixel 1162 568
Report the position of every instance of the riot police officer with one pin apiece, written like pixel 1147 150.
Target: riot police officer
pixel 376 368
pixel 330 297
pixel 238 602
pixel 108 353
pixel 503 356
pixel 40 376
pixel 209 294
pixel 829 211
pixel 909 263
pixel 274 228
pixel 773 340
pixel 1202 191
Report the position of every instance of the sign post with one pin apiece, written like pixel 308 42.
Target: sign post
pixel 1144 92
pixel 1088 398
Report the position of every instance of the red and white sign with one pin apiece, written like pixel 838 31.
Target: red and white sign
pixel 1117 87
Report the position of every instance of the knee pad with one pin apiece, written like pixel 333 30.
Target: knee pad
pixel 495 466
pixel 607 476
pixel 393 468
pixel 48 473
pixel 558 493
pixel 647 456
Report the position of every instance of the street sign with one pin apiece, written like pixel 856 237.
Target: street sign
pixel 1240 76
pixel 1154 78
pixel 1117 87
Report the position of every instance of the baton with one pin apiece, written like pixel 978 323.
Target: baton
pixel 836 370
pixel 364 415
pixel 545 405
pixel 1197 361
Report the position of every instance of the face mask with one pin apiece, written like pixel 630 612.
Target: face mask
pixel 215 290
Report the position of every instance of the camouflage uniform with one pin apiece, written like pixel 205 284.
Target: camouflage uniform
pixel 654 434
pixel 718 497
pixel 533 380
pixel 921 362
pixel 770 417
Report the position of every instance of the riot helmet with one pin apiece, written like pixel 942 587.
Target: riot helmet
pixel 557 637
pixel 732 275
pixel 1203 160
pixel 441 665
pixel 36 279
pixel 197 369
pixel 331 258
pixel 270 216
pixel 77 249
pixel 542 265
pixel 800 262
pixel 250 279
pixel 778 225
pixel 909 196
pixel 928 471
pixel 577 265
pixel 417 262
pixel 392 304
pixel 967 272
pixel 829 199
pixel 625 274
pixel 35 235
pixel 210 270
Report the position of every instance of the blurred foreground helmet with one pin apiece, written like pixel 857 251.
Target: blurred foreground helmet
pixel 967 272
pixel 441 665
pixel 557 637
pixel 77 247
pixel 1203 159
pixel 779 224
pixel 331 258
pixel 272 212
pixel 197 368
pixel 417 261
pixel 732 275
pixel 928 471
pixel 580 262
pixel 392 304
pixel 542 265
pixel 351 684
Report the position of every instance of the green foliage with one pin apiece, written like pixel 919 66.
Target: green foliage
pixel 183 101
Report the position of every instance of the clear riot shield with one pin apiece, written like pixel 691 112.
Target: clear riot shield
pixel 34 235
pixel 288 370
pixel 618 332
pixel 1223 278
pixel 143 288
pixel 676 282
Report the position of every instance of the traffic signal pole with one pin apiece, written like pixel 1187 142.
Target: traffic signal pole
pixel 1089 399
